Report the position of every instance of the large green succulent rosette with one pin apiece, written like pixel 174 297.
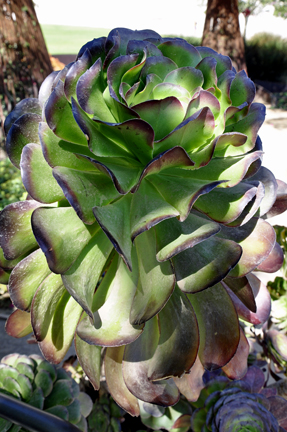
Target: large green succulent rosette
pixel 145 215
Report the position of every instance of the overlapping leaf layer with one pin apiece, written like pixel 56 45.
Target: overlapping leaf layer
pixel 142 162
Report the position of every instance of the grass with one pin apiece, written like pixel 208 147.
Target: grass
pixel 67 39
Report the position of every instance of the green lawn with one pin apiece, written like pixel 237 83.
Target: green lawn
pixel 67 39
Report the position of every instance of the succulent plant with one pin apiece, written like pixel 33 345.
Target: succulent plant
pixel 106 416
pixel 36 382
pixel 242 405
pixel 142 162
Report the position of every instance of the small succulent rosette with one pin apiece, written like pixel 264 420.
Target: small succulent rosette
pixel 146 215
pixel 36 382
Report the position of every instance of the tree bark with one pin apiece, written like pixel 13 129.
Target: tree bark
pixel 24 59
pixel 221 31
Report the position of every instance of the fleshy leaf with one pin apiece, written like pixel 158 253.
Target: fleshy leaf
pixel 60 117
pixel 187 77
pixel 179 339
pixel 26 277
pixel 205 264
pixel 242 289
pixel 242 89
pixel 90 89
pixel 191 134
pixel 274 261
pixel 174 237
pixel 16 236
pixel 163 115
pixel 208 68
pixel 201 100
pixel 89 357
pixel 181 52
pixel 191 384
pixel 117 69
pixel 218 324
pixel 280 204
pixel 84 190
pixel 155 283
pixel 54 316
pixel 23 131
pixel 79 281
pixel 75 72
pixel 165 90
pixel 267 178
pixel 114 219
pixel 61 235
pixel 25 106
pixel 223 63
pixel 115 381
pixel 112 327
pixel 47 87
pixel 37 176
pixel 237 367
pixel 136 363
pixel 159 66
pixel 18 324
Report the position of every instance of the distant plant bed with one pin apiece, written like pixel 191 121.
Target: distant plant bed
pixel 280 100
pixel 266 57
pixel 11 187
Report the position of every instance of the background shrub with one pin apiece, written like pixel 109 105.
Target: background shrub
pixel 11 186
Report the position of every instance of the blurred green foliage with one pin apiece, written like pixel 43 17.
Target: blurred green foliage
pixel 11 186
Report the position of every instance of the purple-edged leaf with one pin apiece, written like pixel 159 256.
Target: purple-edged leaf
pixel 267 178
pixel 187 77
pixel 75 72
pixel 135 136
pixel 205 264
pixel 79 280
pixel 279 342
pixel 229 171
pixel 123 172
pixel 114 219
pixel 46 88
pixel 257 239
pixel 208 68
pixel 175 157
pixel 163 115
pixel 22 132
pixel 148 208
pixel 96 48
pixel 90 89
pixel 222 142
pixel 159 66
pixel 134 98
pixel 54 317
pixel 99 143
pixel 174 237
pixel 16 236
pixel 262 300
pixel 117 69
pixel 61 76
pixel 8 265
pixel 111 326
pixel 37 176
pixel 242 289
pixel 181 52
pixel 280 204
pixel 26 277
pixel 165 89
pixel 226 205
pixel 242 89
pixel 61 235
pixel 89 357
pixel 249 126
pixel 274 261
pixel 143 47
pixel 55 155
pixel 18 324
pixel 179 339
pixel 155 281
pixel 60 119
pixel 132 75
pixel 180 188
pixel 136 361
pixel 201 100
pixel 191 134
pixel 25 106
pixel 218 326
pixel 254 378
pixel 224 84
pixel 223 63
pixel 85 190
pixel 236 368
pixel 115 381
pixel 191 384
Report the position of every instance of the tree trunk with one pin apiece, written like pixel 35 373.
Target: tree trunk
pixel 24 59
pixel 221 31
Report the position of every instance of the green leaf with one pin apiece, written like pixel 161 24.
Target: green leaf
pixel 89 357
pixel 54 315
pixel 208 68
pixel 18 324
pixel 223 63
pixel 61 235
pixel 159 66
pixel 75 72
pixel 61 394
pixel 181 52
pixel 155 283
pixel 218 326
pixel 117 69
pixel 200 100
pixel 187 77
